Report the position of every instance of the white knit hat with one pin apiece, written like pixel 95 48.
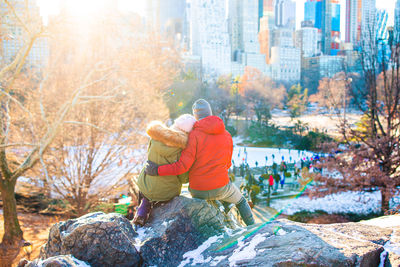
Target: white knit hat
pixel 184 122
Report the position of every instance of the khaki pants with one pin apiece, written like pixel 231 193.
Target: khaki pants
pixel 229 193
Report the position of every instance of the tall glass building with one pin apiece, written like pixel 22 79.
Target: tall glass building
pixel 397 21
pixel 313 12
pixel 317 12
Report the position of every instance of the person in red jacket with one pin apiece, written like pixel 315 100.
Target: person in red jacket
pixel 207 157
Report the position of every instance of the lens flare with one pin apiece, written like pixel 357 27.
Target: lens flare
pixel 249 233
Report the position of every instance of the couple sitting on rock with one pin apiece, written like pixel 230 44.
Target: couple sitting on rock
pixel 196 149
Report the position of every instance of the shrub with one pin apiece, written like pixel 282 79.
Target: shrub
pixel 104 207
pixel 232 130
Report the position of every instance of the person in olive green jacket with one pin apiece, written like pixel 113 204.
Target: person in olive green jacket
pixel 165 147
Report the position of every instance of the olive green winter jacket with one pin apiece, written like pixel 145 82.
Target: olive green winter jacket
pixel 165 147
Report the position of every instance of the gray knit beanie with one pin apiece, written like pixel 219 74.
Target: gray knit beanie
pixel 201 109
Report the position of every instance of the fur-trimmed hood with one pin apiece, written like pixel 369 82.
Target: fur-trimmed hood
pixel 170 137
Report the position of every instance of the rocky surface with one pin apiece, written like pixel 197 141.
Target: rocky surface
pixel 97 238
pixel 186 232
pixel 286 243
pixel 179 226
pixel 110 240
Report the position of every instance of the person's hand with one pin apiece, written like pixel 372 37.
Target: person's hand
pixel 151 168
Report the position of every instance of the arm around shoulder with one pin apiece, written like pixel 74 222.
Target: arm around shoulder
pixel 185 161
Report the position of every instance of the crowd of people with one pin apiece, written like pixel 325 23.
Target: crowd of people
pixel 275 176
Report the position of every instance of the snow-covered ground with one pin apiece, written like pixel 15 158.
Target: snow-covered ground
pixel 346 202
pixel 316 120
pixel 241 154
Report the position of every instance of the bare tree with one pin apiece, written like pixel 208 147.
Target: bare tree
pixel 25 31
pixel 261 94
pixel 333 92
pixel 372 158
pixel 87 100
pixel 103 142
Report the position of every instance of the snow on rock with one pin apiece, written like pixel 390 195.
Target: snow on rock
pixel 383 259
pixel 385 221
pixel 140 237
pixel 61 260
pixel 392 248
pixel 297 244
pixel 217 260
pixel 246 251
pixel 281 232
pixel 196 255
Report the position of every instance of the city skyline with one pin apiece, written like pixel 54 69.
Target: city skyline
pixel 49 7
pixel 387 5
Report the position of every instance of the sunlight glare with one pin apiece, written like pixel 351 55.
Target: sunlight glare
pixel 88 7
pixel 85 7
pixel 137 6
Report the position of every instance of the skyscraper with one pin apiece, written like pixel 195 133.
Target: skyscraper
pixel 313 12
pixel 267 23
pixel 209 35
pixel 397 21
pixel 353 20
pixel 381 23
pixel 285 13
pixel 169 17
pixel 244 28
pixel 368 18
pixel 325 15
pixel 250 26
pixel 307 40
pixel 326 27
pixel 360 21
pixel 14 34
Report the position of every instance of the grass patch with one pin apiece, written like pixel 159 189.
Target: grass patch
pixel 319 216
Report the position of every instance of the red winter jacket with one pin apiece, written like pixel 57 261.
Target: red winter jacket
pixel 207 156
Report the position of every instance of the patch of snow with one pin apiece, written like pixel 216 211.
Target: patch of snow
pixel 195 255
pixel 385 221
pixel 281 232
pixel 78 263
pixel 246 251
pixel 230 231
pixel 166 223
pixel 140 237
pixel 355 202
pixel 237 139
pixel 393 248
pixel 217 260
pixel 383 258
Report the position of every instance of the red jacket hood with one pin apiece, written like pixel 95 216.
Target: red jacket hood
pixel 210 125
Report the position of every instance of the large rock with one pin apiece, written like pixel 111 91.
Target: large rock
pixel 285 243
pixel 179 226
pixel 97 238
pixel 192 231
pixel 110 240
